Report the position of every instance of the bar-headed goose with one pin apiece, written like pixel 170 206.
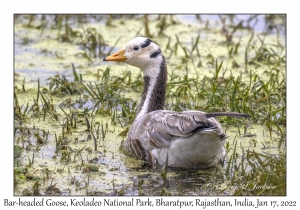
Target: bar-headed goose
pixel 192 139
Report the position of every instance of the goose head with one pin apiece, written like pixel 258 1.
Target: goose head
pixel 142 53
pixel 146 55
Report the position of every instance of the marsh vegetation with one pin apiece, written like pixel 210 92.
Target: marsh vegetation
pixel 72 110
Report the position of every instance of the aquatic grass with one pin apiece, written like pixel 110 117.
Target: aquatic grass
pixel 108 101
pixel 26 40
pixel 36 188
pixel 95 142
pixel 163 23
pixel 259 90
pixel 146 27
pixel 59 84
pixel 23 85
pixel 232 161
pixel 225 30
pixel 195 45
pixel 247 51
pixel 52 190
pixel 76 77
pixel 164 171
pixel 270 169
pixel 178 43
pixel 251 173
pixel 113 47
pixel 87 124
pixel 93 42
pixel 32 160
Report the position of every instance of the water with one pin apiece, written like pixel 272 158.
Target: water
pixel 45 55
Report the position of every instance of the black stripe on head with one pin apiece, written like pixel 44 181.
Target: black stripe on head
pixel 146 43
pixel 155 54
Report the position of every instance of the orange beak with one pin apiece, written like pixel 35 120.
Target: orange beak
pixel 118 56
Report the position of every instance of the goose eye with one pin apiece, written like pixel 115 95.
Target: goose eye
pixel 136 48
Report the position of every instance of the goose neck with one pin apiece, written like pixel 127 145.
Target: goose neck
pixel 154 92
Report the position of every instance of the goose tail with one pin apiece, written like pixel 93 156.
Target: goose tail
pixel 228 114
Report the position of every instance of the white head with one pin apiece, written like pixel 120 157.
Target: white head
pixel 145 54
pixel 140 52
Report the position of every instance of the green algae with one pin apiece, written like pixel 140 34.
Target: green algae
pixel 69 134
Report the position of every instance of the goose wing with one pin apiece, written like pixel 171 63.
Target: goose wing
pixel 163 127
pixel 159 128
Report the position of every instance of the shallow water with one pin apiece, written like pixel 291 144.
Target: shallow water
pixel 41 54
